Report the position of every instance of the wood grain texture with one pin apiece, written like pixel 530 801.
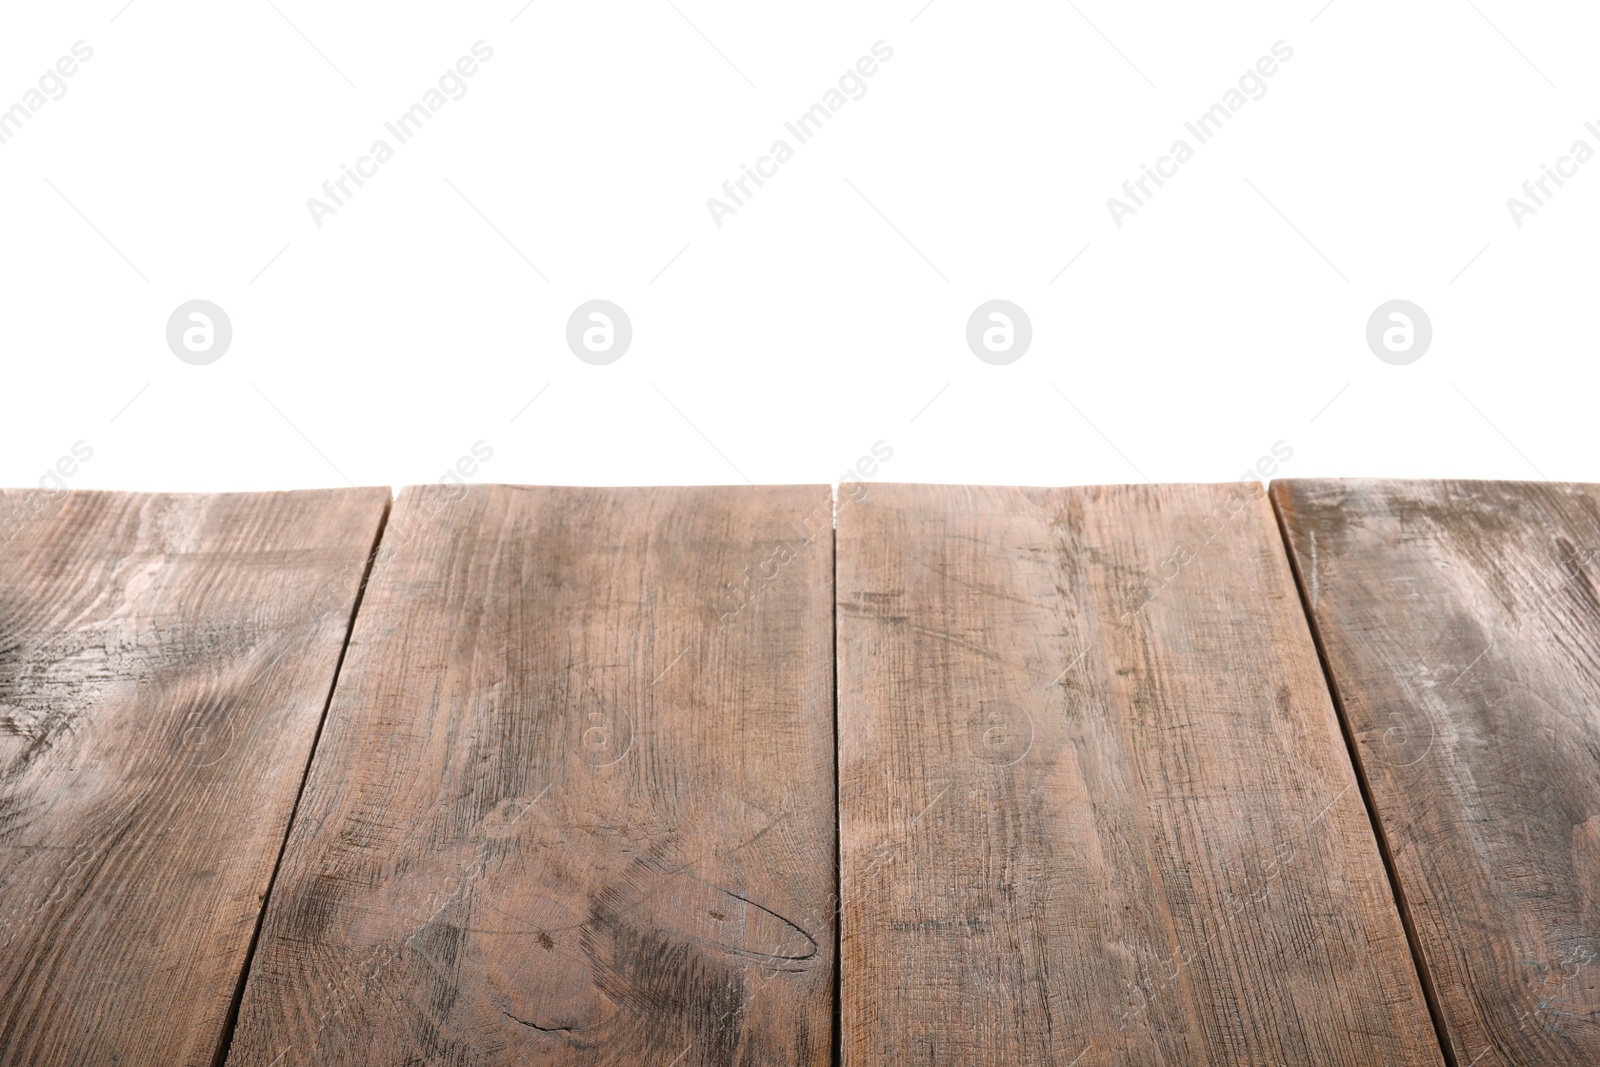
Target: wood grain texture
pixel 574 800
pixel 1095 806
pixel 164 664
pixel 1462 629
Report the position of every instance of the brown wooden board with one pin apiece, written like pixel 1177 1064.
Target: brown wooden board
pixel 1095 806
pixel 1461 625
pixel 164 665
pixel 574 801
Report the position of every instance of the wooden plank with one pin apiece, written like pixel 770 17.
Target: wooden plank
pixel 1095 807
pixel 164 664
pixel 1462 629
pixel 574 800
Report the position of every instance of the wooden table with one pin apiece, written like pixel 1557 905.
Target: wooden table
pixel 1156 775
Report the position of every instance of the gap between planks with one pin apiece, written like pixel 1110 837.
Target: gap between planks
pixel 1418 960
pixel 225 1045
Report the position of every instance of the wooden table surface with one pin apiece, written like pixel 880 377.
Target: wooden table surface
pixel 936 775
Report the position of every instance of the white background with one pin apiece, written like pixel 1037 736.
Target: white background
pixel 830 310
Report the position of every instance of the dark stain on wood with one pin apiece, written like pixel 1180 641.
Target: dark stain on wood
pixel 1462 632
pixel 567 808
pixel 575 802
pixel 164 664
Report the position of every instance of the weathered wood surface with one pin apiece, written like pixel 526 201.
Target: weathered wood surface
pixel 1095 806
pixel 1462 629
pixel 164 664
pixel 574 801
